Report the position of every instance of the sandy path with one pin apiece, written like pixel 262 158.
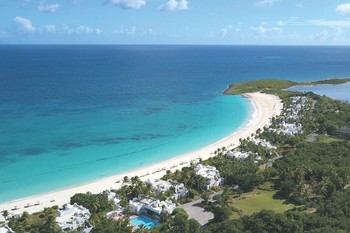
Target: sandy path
pixel 265 107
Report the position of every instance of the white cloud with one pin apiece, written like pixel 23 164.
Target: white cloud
pixel 126 31
pixel 262 30
pixel 225 30
pixel 329 35
pixel 126 4
pixel 25 24
pixel 266 2
pixel 343 9
pixel 82 29
pixel 50 28
pixel 331 23
pixel 322 35
pixel 174 5
pixel 48 8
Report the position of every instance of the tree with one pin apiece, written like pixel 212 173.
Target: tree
pixel 50 225
pixel 221 214
pixel 5 213
pixel 205 196
pixel 125 180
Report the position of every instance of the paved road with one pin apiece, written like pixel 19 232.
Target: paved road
pixel 194 210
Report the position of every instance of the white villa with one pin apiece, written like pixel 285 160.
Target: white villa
pixel 291 128
pixel 72 217
pixel 238 154
pixel 210 173
pixel 144 204
pixel 115 198
pixel 263 143
pixel 118 210
pixel 162 186
pixel 6 229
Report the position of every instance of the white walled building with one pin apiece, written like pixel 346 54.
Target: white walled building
pixel 238 154
pixel 6 229
pixel 263 143
pixel 144 203
pixel 210 173
pixel 72 217
pixel 162 186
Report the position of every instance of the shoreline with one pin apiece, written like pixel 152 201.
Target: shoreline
pixel 265 106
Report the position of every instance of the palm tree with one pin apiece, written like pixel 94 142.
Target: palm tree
pixel 50 225
pixel 25 217
pixel 126 180
pixel 5 213
pixel 95 205
pixel 141 229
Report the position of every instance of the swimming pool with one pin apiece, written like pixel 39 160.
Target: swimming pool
pixel 145 220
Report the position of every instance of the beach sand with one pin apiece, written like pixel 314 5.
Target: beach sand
pixel 265 107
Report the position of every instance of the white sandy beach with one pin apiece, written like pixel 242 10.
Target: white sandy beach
pixel 266 106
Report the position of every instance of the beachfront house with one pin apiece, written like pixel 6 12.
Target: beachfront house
pixel 71 217
pixel 162 186
pixel 144 204
pixel 291 129
pixel 210 173
pixel 6 229
pixel 112 196
pixel 241 155
pixel 117 213
pixel 263 142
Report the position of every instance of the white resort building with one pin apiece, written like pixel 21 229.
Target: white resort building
pixel 238 154
pixel 263 143
pixel 291 128
pixel 210 173
pixel 162 186
pixel 72 217
pixel 6 229
pixel 118 210
pixel 144 204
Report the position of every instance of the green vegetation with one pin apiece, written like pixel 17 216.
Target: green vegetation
pixel 313 172
pixel 258 200
pixel 323 138
pixel 330 115
pixel 274 86
pixel 327 81
pixel 259 85
pixel 41 222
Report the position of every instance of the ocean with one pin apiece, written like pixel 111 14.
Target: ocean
pixel 73 114
pixel 339 92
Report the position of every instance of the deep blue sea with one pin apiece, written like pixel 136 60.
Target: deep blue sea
pixel 72 114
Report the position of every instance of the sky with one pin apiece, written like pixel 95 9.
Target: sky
pixel 219 22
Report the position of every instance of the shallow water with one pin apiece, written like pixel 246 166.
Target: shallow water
pixel 72 114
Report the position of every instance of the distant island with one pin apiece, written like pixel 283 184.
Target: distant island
pixel 275 86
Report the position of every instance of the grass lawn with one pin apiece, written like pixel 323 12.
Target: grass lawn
pixel 326 139
pixel 258 200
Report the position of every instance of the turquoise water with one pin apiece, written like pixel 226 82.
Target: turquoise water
pixel 86 146
pixel 144 220
pixel 73 114
pixel 340 92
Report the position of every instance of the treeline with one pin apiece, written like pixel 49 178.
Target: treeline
pixel 331 115
pixel 313 172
